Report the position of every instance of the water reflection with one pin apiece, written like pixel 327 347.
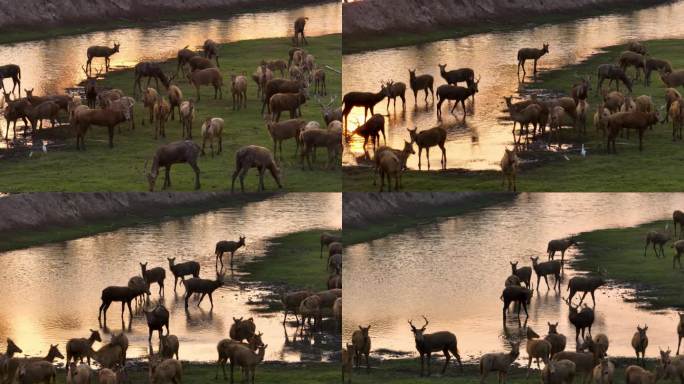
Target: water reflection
pixel 453 271
pixel 479 143
pixel 52 293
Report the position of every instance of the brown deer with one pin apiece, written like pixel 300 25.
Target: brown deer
pixel 367 100
pixel 12 71
pixel 434 342
pixel 421 83
pixel 174 153
pixel 429 138
pixel 299 25
pixel 535 54
pixel 228 246
pixel 101 51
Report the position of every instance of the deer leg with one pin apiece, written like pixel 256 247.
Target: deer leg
pixel 446 362
pixel 529 365
pixel 427 155
pixel 582 298
pixel 201 298
pixel 679 343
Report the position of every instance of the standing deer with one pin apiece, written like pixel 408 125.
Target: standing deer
pixel 535 54
pixel 367 100
pixel 429 138
pixel 299 25
pixel 421 83
pixel 434 342
pixel 12 71
pixel 228 246
pixel 678 218
pixel 547 268
pixel 101 51
pixel 640 343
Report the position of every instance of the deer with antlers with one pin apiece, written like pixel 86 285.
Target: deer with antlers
pixel 444 341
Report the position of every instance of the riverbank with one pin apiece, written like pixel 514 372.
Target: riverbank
pixel 404 371
pixel 372 25
pixel 369 216
pixel 620 251
pixel 122 168
pixel 46 20
pixel 38 218
pixel 628 170
pixel 293 261
pixel 268 372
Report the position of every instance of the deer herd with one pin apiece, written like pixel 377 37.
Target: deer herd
pixel 590 361
pixel 97 105
pixel 617 114
pixel 243 348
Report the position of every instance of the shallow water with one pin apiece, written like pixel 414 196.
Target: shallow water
pixel 52 65
pixel 453 270
pixel 51 293
pixel 479 144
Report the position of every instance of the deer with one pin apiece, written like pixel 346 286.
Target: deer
pixel 101 51
pixel 210 50
pixel 154 275
pixel 582 320
pixel 231 246
pixel 612 72
pixel 557 340
pixel 678 218
pixel 184 55
pixel 202 286
pixel 580 91
pixel 640 343
pixel 524 273
pixel 183 269
pixel 559 245
pixel 456 76
pixel 150 70
pixel 535 54
pixel 429 138
pixel 537 349
pixel 585 285
pixel 362 345
pixel 395 90
pixel 254 156
pixel 157 319
pixel 680 331
pixel 426 343
pixel 547 268
pixel 516 294
pixel 367 100
pixel 115 294
pixel 457 94
pixel 77 349
pixel 166 155
pixel 299 25
pixel 498 362
pixel 659 239
pixel 421 83
pixel 12 71
pixel 371 129
pixel 653 64
pixel 509 168
pixel 632 59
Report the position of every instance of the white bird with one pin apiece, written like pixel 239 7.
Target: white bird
pixel 583 151
pixel 44 147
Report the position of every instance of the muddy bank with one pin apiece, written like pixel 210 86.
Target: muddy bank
pixel 37 211
pixel 59 13
pixel 381 16
pixel 362 209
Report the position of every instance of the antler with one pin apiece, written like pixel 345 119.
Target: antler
pixel 426 321
pixel 84 71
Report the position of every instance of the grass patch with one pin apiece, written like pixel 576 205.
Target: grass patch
pixel 621 252
pixel 402 221
pixel 275 373
pixel 293 260
pixel 353 43
pixel 407 371
pixel 629 170
pixel 153 19
pixel 100 168
pixel 52 234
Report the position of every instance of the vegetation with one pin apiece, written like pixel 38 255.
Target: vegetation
pixel 629 170
pixel 620 251
pixel 293 260
pixel 121 168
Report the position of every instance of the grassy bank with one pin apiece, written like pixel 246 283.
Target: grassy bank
pixel 121 168
pixel 292 260
pixel 276 373
pixel 621 252
pixel 628 170
pixel 152 19
pixel 407 371
pixel 53 234
pixel 355 43
pixel 415 217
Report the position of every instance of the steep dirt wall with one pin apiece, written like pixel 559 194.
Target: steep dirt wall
pixel 32 211
pixel 373 16
pixel 52 13
pixel 361 209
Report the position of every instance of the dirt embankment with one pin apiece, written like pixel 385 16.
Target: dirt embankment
pixel 35 211
pixel 362 209
pixel 53 13
pixel 380 16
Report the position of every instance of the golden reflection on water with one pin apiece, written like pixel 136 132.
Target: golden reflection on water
pixel 479 144
pixel 52 65
pixel 52 293
pixel 453 270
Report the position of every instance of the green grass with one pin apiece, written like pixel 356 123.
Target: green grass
pixel 150 20
pixel 407 371
pixel 620 251
pixel 353 43
pixel 275 373
pixel 100 168
pixel 628 170
pixel 292 260
pixel 52 234
pixel 401 221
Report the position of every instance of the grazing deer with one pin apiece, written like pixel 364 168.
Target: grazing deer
pixel 433 342
pixel 150 70
pixel 101 51
pixel 299 25
pixel 228 246
pixel 535 54
pixel 612 72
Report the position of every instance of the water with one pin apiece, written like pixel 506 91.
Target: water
pixel 52 65
pixel 51 293
pixel 479 144
pixel 453 272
